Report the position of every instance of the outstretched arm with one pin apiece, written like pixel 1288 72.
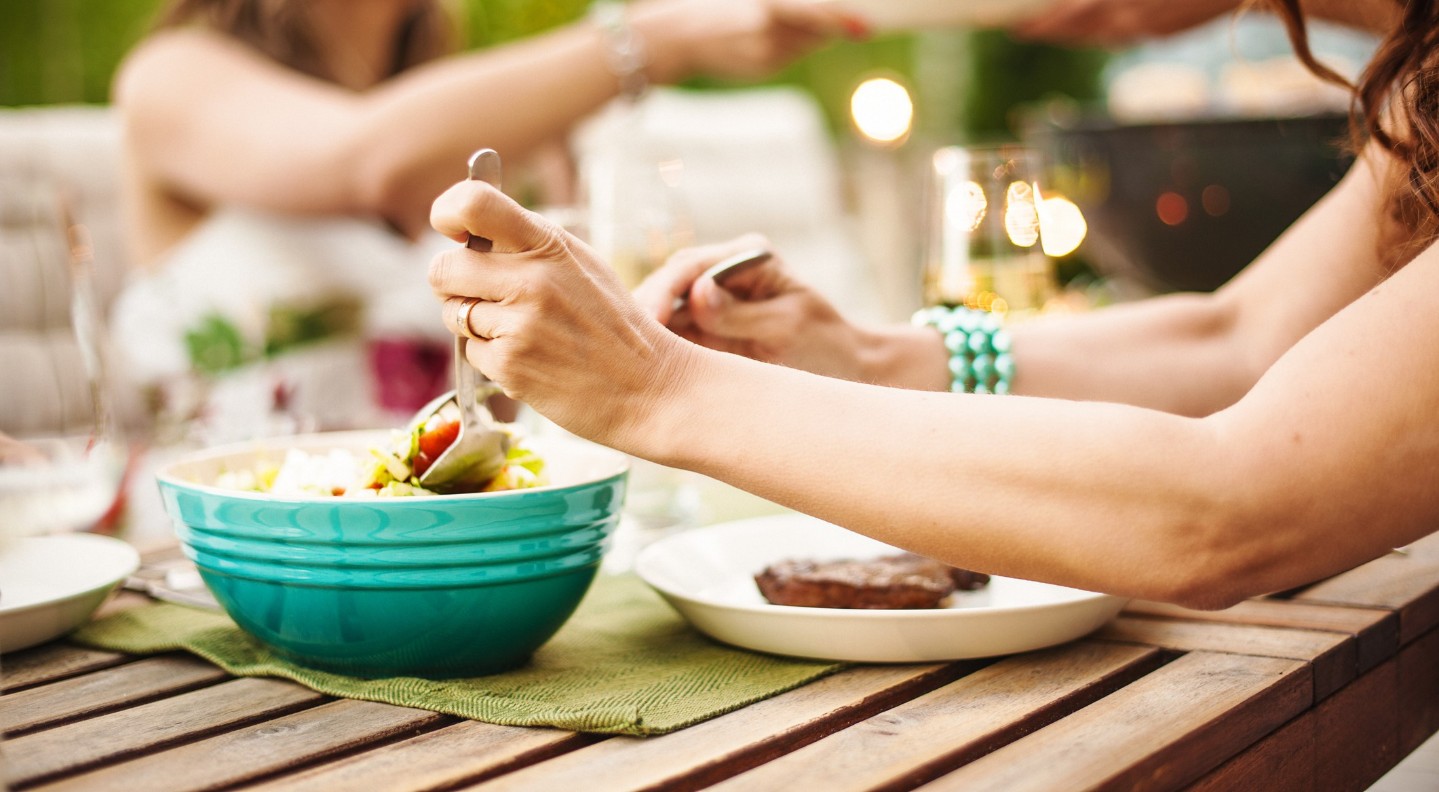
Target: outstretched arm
pixel 216 122
pixel 1325 463
pixel 1121 22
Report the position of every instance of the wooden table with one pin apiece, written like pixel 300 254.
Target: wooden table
pixel 1325 689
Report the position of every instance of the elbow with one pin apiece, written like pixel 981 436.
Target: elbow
pixel 1223 560
pixel 1206 593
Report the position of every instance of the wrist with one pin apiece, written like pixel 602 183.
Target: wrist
pixel 656 424
pixel 626 51
pixel 662 32
pixel 978 347
pixel 903 356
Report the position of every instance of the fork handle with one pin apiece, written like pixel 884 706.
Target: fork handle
pixel 484 165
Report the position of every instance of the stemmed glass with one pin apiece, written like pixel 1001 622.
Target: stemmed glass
pixel 63 474
pixel 983 249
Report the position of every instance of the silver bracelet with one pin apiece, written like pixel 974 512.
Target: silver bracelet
pixel 625 53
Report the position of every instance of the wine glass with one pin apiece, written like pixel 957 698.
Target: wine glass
pixel 62 453
pixel 983 247
pixel 634 210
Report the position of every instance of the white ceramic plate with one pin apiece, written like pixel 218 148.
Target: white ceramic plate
pixel 49 585
pixel 925 14
pixel 707 574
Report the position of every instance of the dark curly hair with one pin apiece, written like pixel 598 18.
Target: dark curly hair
pixel 1396 105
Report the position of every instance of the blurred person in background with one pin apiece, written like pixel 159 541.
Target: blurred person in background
pixel 281 157
pixel 1210 58
pixel 1191 448
pixel 1116 23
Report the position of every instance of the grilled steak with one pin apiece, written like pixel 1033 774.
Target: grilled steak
pixel 968 579
pixel 904 581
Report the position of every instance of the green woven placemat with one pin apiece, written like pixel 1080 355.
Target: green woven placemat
pixel 624 664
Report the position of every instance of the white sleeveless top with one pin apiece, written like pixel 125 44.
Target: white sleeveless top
pixel 241 282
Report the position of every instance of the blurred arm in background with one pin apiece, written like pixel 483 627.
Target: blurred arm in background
pixel 1115 23
pixel 212 120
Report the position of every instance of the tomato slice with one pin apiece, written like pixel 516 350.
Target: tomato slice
pixel 433 443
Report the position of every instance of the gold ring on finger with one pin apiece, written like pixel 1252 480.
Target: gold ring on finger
pixel 462 319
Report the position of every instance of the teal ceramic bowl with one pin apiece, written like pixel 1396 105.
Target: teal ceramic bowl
pixel 443 586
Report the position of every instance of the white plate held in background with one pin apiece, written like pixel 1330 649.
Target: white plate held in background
pixel 707 574
pixel 49 585
pixel 886 15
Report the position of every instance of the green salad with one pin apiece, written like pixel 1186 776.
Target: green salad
pixel 390 471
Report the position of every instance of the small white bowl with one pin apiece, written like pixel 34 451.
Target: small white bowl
pixel 50 585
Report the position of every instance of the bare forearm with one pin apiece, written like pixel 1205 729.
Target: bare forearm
pixel 1011 486
pixel 1174 353
pixel 417 130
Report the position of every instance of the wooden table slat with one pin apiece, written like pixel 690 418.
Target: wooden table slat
pixel 1407 584
pixel 103 691
pixel 1426 549
pixel 1162 732
pixel 922 739
pixel 152 726
pixel 1350 739
pixel 255 752
pixel 1333 655
pixel 1376 630
pixel 463 753
pixel 1419 692
pixel 719 748
pixel 1282 762
pixel 51 662
pixel 1365 713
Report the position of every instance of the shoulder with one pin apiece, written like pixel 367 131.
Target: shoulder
pixel 166 62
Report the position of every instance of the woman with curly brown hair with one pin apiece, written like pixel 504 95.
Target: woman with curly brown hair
pixel 1197 449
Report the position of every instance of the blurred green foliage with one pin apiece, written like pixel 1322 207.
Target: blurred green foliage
pixel 65 51
pixel 1004 75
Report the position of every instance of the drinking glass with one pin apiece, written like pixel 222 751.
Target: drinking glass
pixel 634 215
pixel 983 247
pixel 634 211
pixel 62 454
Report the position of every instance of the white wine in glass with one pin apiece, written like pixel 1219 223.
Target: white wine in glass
pixel 635 213
pixel 983 248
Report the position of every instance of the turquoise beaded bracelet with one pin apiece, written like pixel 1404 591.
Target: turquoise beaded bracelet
pixel 979 359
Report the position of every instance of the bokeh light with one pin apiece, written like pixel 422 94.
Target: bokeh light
pixel 1172 209
pixel 1021 215
pixel 882 110
pixel 966 206
pixel 1063 225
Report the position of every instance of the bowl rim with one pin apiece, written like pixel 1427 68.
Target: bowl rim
pixel 166 476
pixel 121 555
